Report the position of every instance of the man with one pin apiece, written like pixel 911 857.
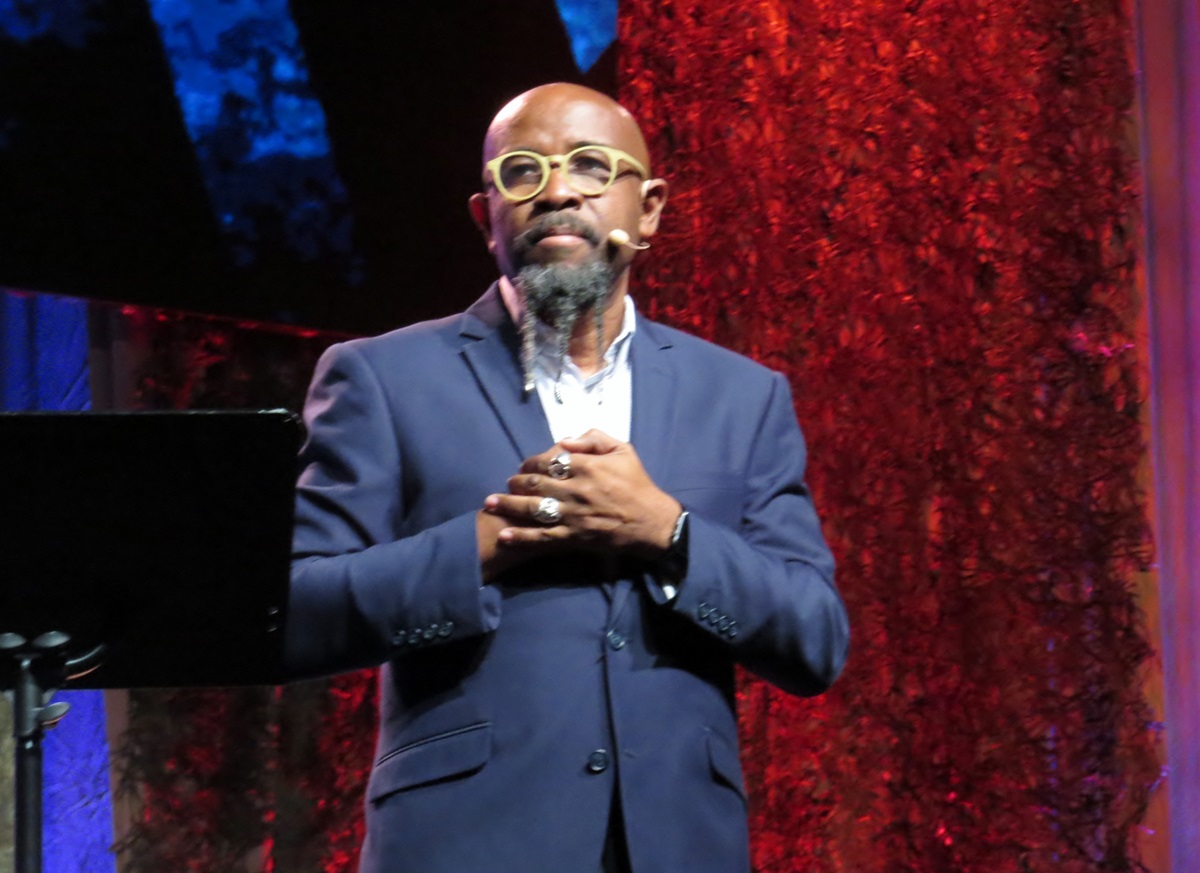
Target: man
pixel 559 526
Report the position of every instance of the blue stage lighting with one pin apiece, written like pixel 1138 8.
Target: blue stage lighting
pixel 591 26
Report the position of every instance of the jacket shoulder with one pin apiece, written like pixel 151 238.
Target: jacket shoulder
pixel 423 338
pixel 708 355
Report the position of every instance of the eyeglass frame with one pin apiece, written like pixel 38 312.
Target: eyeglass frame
pixel 549 162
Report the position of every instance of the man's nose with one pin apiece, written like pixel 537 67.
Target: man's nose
pixel 557 192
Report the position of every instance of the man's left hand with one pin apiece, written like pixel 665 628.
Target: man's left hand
pixel 608 502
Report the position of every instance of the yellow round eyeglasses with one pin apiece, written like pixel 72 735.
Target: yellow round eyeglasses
pixel 590 170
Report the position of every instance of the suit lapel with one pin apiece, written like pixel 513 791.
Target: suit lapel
pixel 492 354
pixel 652 428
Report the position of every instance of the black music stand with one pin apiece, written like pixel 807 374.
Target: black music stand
pixel 137 550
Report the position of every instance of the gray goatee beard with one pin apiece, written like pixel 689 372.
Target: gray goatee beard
pixel 558 294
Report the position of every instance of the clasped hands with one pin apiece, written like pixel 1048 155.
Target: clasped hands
pixel 607 504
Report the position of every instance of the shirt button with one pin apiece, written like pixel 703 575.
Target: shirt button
pixel 598 761
pixel 616 640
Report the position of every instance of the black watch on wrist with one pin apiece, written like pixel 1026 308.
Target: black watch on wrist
pixel 677 552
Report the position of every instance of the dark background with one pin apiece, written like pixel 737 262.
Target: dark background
pixel 104 194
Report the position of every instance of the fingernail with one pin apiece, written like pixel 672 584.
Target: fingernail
pixel 491 501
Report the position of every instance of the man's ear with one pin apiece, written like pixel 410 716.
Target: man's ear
pixel 654 198
pixel 478 205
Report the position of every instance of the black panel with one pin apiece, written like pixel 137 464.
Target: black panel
pixel 165 536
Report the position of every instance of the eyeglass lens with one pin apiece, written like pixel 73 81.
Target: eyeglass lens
pixel 588 171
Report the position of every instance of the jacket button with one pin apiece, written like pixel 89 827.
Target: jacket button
pixel 598 761
pixel 430 632
pixel 400 638
pixel 414 637
pixel 703 609
pixel 616 640
pixel 445 629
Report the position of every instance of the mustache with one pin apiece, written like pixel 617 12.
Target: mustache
pixel 556 221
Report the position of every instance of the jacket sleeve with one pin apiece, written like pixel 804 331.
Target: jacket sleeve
pixel 766 589
pixel 358 594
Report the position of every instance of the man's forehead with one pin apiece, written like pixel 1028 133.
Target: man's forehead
pixel 570 113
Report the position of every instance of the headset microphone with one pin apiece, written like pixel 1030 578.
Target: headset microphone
pixel 619 237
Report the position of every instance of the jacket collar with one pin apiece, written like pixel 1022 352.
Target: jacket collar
pixel 493 354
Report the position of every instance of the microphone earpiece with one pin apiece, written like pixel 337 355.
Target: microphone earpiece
pixel 619 237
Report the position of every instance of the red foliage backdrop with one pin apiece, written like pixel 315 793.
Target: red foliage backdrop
pixel 925 213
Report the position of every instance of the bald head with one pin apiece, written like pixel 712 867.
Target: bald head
pixel 566 107
pixel 559 222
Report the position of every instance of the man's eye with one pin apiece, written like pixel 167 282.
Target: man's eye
pixel 590 164
pixel 520 170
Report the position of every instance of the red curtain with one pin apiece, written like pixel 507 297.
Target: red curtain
pixel 926 215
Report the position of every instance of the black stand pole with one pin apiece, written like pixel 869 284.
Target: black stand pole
pixel 42 666
pixel 27 732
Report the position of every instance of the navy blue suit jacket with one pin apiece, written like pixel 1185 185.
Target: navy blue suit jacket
pixel 511 711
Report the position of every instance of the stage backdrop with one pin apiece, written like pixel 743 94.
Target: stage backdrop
pixel 926 215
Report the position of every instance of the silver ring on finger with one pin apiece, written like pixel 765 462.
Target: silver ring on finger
pixel 548 512
pixel 560 466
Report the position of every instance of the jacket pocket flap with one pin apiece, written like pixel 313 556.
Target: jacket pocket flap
pixel 454 753
pixel 726 766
